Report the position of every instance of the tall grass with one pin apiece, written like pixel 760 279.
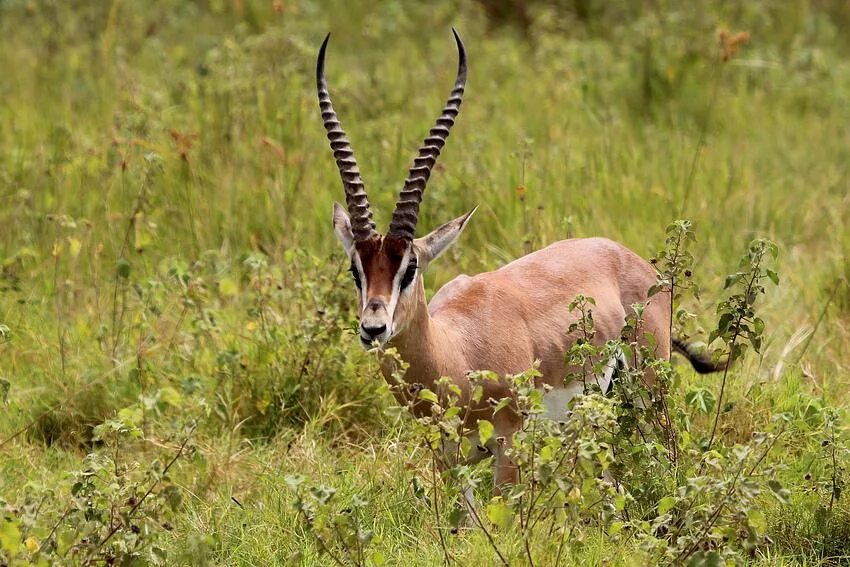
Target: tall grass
pixel 165 240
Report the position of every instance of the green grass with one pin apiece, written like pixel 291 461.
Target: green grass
pixel 165 236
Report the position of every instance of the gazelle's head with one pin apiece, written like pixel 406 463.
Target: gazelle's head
pixel 387 269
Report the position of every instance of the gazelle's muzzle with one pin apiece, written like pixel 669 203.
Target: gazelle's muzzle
pixel 375 323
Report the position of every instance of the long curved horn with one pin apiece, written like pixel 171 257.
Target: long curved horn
pixel 362 225
pixel 406 213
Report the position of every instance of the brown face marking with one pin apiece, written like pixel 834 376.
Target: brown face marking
pixel 381 258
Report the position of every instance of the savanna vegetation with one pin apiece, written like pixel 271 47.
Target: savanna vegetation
pixel 181 381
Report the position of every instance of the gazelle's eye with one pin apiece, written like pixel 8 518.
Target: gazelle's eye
pixel 409 274
pixel 356 275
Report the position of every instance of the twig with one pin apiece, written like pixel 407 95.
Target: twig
pixel 436 504
pixel 487 533
pixel 54 528
pixel 735 336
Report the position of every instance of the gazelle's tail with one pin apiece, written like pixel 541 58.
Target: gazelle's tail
pixel 701 362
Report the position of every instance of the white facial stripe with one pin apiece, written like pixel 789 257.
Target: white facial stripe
pixel 405 262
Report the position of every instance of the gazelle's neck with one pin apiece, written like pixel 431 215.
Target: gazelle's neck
pixel 426 345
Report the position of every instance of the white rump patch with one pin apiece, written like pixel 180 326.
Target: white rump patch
pixel 555 401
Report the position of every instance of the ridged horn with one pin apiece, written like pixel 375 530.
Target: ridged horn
pixel 406 212
pixel 362 225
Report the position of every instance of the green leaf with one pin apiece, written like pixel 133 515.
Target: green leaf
pixel 774 277
pixel 781 494
pixel 485 431
pixel 477 393
pixel 122 268
pixel 773 249
pixel 702 399
pixel 706 559
pixel 10 537
pixel 457 516
pixel 293 481
pixel 228 286
pixel 757 520
pixel 619 502
pixel 170 396
pixel 428 395
pixel 499 513
pixel 465 446
pixel 732 279
pixel 666 504
pixel 131 416
pixel 503 403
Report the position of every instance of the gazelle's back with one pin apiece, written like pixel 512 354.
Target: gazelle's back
pixel 509 317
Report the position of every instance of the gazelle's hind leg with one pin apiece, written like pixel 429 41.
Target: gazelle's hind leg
pixel 505 424
pixel 450 459
pixel 616 367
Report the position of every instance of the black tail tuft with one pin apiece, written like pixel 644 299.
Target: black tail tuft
pixel 701 362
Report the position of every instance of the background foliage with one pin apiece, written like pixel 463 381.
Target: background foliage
pixel 175 317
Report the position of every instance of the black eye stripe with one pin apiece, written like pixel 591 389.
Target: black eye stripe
pixel 355 274
pixel 408 276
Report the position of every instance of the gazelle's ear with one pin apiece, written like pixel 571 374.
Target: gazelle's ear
pixel 342 228
pixel 438 241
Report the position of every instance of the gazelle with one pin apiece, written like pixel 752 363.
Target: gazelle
pixel 503 320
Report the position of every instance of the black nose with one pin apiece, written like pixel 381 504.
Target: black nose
pixel 373 332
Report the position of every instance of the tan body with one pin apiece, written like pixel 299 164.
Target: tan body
pixel 507 319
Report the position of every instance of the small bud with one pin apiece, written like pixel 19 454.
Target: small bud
pixel 521 190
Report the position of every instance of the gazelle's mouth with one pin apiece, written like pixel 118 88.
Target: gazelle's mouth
pixel 368 342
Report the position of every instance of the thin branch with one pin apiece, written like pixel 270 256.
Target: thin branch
pixel 735 336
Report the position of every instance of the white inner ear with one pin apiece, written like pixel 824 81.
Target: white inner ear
pixel 342 228
pixel 432 245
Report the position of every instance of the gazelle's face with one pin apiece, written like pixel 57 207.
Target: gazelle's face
pixel 387 272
